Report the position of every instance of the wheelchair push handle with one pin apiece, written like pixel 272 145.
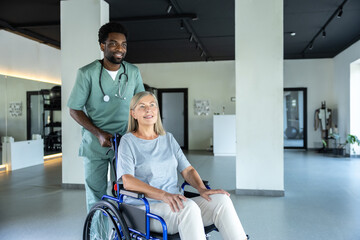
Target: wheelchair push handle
pixel 115 140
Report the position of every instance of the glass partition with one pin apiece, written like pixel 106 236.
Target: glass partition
pixel 15 113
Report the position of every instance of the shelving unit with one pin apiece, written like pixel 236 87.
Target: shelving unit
pixel 44 117
pixel 51 127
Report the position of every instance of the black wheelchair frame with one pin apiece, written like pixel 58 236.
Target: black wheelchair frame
pixel 112 219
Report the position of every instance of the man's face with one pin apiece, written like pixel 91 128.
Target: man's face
pixel 114 47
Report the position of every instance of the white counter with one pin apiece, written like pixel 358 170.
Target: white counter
pixel 22 154
pixel 224 135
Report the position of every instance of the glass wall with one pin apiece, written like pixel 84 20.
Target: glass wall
pixel 14 108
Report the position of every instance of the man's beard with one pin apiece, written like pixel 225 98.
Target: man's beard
pixel 114 60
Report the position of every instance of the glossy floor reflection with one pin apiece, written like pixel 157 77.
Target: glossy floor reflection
pixel 322 200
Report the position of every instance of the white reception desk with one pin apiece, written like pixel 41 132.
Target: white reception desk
pixel 22 154
pixel 224 135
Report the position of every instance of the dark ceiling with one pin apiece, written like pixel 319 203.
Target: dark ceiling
pixel 160 34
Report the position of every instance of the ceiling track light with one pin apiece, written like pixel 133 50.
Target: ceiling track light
pixel 336 14
pixel 340 13
pixel 185 24
pixel 191 38
pixel 168 10
pixel 311 46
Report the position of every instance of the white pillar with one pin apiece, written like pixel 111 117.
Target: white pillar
pixel 259 97
pixel 80 22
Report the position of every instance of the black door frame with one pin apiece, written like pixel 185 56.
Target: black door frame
pixel 304 90
pixel 185 91
pixel 28 112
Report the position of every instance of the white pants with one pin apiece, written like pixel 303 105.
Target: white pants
pixel 196 214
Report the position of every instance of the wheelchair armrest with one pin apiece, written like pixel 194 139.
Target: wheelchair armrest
pixel 206 183
pixel 137 195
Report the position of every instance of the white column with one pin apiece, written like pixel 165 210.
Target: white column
pixel 80 22
pixel 259 97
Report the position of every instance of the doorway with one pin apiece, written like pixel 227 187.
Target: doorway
pixel 173 104
pixel 44 117
pixel 295 118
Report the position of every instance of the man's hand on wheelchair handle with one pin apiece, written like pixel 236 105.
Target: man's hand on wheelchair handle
pixel 104 138
pixel 205 193
pixel 174 201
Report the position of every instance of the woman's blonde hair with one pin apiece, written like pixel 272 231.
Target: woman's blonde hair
pixel 133 124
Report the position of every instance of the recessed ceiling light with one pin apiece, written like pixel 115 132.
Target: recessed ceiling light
pixel 292 34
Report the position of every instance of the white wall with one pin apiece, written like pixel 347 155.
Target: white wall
pixel 21 60
pixel 317 76
pixel 342 86
pixel 25 58
pixel 213 81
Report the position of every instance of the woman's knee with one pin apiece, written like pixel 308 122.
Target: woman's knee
pixel 191 207
pixel 221 199
pixel 191 210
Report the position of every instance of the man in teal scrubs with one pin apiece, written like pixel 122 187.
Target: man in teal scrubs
pixel 100 104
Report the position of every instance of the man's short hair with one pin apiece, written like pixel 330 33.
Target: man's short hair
pixel 109 28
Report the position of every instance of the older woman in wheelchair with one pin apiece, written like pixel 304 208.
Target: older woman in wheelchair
pixel 148 162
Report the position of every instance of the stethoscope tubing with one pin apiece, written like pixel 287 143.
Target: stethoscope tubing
pixel 106 97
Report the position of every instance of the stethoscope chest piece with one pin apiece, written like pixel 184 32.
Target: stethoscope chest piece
pixel 106 98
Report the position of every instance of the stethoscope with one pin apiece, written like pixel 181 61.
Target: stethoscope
pixel 106 97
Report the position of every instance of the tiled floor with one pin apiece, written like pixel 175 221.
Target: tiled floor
pixel 322 200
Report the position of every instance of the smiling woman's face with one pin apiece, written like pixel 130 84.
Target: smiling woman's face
pixel 146 111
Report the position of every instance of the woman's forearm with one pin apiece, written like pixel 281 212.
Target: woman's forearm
pixel 174 200
pixel 191 176
pixel 133 184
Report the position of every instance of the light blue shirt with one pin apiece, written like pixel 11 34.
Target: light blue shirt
pixel 155 162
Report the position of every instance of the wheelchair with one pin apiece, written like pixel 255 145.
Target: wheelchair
pixel 112 219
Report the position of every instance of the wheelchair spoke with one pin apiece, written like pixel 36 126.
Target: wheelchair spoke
pixel 104 222
pixel 102 227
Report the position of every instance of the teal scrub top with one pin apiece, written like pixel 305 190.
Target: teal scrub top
pixel 111 116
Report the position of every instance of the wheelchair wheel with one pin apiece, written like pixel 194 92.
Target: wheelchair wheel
pixel 104 221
